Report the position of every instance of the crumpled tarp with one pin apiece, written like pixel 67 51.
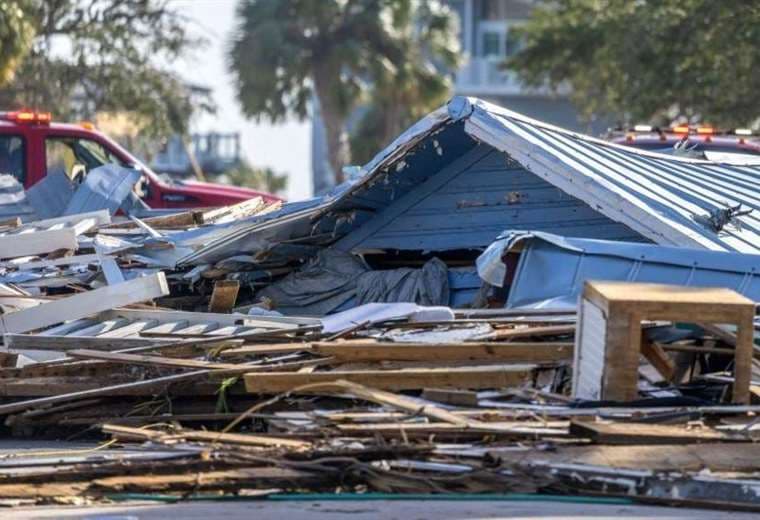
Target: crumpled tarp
pixel 334 277
pixel 426 286
pixel 318 288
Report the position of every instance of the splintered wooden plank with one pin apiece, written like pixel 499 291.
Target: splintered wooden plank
pixel 85 304
pixel 224 296
pixel 679 457
pixel 38 242
pixel 633 433
pixel 403 379
pixel 529 332
pixel 130 433
pixel 37 342
pixel 141 359
pixel 511 352
pixel 273 348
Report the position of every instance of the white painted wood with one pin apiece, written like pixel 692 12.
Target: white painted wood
pixel 101 217
pixel 589 353
pixel 38 242
pixel 193 318
pixel 57 262
pixel 85 304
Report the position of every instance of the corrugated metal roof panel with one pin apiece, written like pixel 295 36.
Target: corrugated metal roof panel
pixel 552 269
pixel 666 198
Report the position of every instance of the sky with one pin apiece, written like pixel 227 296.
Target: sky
pixel 284 147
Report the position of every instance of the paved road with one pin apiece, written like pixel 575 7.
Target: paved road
pixel 370 510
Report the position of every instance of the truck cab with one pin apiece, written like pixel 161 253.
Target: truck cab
pixel 32 146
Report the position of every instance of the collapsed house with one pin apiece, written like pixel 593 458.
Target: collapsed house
pixel 453 182
pixel 165 332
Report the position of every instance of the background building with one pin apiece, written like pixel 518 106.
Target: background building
pixel 487 39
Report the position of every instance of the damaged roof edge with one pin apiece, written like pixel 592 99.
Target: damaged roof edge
pixel 458 108
pixel 665 198
pixel 552 269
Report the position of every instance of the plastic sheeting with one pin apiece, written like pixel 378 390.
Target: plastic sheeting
pixel 334 278
pixel 426 286
pixel 319 288
pixel 378 312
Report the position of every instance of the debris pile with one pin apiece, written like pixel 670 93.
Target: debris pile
pixel 378 339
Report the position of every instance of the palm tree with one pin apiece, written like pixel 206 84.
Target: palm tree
pixel 285 50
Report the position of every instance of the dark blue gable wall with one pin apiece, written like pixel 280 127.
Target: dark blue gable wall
pixel 474 198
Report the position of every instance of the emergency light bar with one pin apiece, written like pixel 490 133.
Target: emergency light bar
pixel 27 116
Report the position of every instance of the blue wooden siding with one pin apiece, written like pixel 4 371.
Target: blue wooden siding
pixel 470 201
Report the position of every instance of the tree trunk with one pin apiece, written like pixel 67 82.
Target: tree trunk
pixel 333 118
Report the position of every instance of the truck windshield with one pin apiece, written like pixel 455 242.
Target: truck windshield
pixel 74 156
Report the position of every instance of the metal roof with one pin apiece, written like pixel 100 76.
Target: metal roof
pixel 666 198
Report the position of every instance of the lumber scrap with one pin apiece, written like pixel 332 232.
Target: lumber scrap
pixel 224 296
pixel 38 242
pixel 393 400
pixel 528 332
pixel 659 359
pixel 143 434
pixel 535 352
pixel 147 360
pixel 472 377
pixel 84 304
pixel 63 343
pixel 642 433
pixel 660 457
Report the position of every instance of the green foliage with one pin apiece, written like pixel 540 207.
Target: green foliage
pixel 16 33
pixel 262 179
pixel 653 60
pixel 286 50
pixel 407 90
pixel 105 55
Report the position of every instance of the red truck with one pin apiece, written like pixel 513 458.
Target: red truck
pixel 32 146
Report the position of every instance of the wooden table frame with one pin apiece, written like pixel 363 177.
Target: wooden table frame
pixel 626 305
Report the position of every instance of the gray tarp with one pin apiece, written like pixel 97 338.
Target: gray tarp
pixel 426 286
pixel 334 277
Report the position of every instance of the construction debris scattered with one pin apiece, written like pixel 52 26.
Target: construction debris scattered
pixel 361 342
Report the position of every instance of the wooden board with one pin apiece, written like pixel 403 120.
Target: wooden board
pixel 84 304
pixel 665 457
pixel 37 242
pixel 224 296
pixel 146 360
pixel 63 343
pixel 529 332
pixel 510 352
pixel 633 433
pixel 404 379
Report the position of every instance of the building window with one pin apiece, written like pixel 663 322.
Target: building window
pixel 497 39
pixel 492 44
